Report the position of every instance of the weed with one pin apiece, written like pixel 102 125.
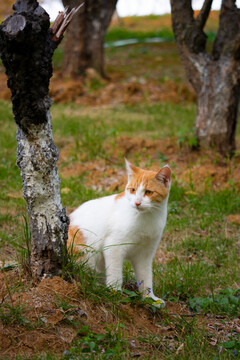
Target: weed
pixel 94 84
pixel 226 302
pixel 232 346
pixel 161 157
pixel 10 314
pixel 22 245
pixel 186 137
pixel 110 344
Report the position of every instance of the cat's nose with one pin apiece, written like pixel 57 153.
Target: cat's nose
pixel 137 203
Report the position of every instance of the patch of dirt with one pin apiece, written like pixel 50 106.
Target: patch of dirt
pixel 41 317
pixel 235 219
pixel 64 91
pixel 52 313
pixel 219 329
pixel 5 93
pixel 7 252
pixel 131 91
pixel 44 319
pixel 196 170
pixel 6 8
pixel 204 175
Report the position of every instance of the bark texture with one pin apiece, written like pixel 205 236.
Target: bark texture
pixel 26 49
pixel 214 76
pixel 84 43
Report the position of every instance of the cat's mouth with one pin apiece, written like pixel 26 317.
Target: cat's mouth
pixel 139 208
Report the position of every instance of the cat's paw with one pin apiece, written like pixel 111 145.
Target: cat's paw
pixel 160 303
pixel 155 301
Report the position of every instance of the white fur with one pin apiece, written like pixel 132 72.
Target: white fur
pixel 116 230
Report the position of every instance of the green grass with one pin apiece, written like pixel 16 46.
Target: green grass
pixel 226 302
pixel 123 33
pixel 206 255
pixel 201 247
pixel 155 121
pixel 11 202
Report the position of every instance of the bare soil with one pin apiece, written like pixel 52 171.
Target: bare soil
pixel 196 170
pixel 112 92
pixel 47 326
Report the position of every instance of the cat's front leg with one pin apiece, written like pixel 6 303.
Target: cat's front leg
pixel 143 270
pixel 114 268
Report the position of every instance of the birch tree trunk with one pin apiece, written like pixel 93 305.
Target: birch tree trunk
pixel 26 48
pixel 215 75
pixel 84 45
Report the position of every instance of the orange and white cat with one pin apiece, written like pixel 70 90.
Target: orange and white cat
pixel 126 226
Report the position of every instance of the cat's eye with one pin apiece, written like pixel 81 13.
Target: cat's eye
pixel 132 191
pixel 148 192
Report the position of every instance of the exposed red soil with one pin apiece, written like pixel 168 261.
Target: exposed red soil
pixel 110 93
pixel 113 92
pixel 48 326
pixel 195 170
pixel 43 303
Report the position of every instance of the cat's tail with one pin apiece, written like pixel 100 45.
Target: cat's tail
pixel 76 241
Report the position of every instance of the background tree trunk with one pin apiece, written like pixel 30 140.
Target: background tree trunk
pixel 215 77
pixel 84 43
pixel 26 48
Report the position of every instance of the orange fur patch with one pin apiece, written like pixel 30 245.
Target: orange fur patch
pixel 149 181
pixel 75 239
pixel 119 196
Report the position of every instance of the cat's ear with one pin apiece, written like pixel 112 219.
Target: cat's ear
pixel 164 175
pixel 131 169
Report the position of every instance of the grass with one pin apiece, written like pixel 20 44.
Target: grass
pixel 122 33
pixel 199 271
pixel 155 121
pixel 204 259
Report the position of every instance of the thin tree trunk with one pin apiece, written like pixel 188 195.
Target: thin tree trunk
pixel 84 44
pixel 26 50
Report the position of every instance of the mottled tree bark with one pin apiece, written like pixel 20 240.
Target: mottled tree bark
pixel 84 43
pixel 214 76
pixel 26 48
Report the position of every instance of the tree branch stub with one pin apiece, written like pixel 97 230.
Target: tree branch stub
pixel 62 21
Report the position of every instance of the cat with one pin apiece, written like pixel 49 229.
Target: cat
pixel 125 226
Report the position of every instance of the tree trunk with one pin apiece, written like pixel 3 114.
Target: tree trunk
pixel 215 77
pixel 217 105
pixel 84 43
pixel 26 48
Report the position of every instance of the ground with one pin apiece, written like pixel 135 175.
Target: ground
pixel 52 314
pixel 143 112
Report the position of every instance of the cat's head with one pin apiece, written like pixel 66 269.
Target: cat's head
pixel 147 189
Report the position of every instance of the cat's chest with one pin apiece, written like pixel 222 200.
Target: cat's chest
pixel 135 226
